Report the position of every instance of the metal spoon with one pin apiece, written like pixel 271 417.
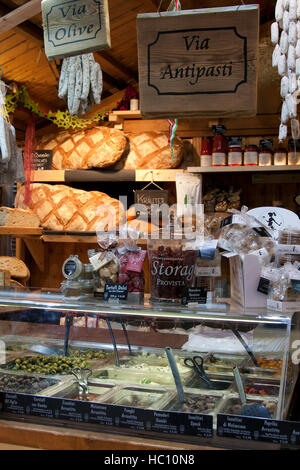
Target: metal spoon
pixel 256 409
pixel 176 375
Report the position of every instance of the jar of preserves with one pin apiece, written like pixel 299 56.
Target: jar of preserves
pixel 219 150
pixel 251 155
pixel 235 155
pixel 294 152
pixel 206 152
pixel 280 157
pixel 265 152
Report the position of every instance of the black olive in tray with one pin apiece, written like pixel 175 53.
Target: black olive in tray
pixel 25 383
pixel 195 403
pixel 234 406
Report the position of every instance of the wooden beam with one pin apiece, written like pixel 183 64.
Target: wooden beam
pixel 19 15
pixel 31 30
pixel 106 60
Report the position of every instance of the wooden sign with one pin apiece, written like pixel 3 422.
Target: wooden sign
pixel 75 27
pixel 198 63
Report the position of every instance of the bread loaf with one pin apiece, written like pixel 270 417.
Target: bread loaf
pixel 151 150
pixel 64 208
pixel 18 218
pixel 97 147
pixel 15 266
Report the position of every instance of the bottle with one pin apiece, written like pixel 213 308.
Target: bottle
pixel 280 157
pixel 219 150
pixel 294 152
pixel 235 154
pixel 265 153
pixel 206 152
pixel 251 155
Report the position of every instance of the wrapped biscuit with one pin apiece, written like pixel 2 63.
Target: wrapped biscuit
pixel 104 261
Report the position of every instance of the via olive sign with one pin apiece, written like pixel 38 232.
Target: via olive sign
pixel 198 63
pixel 75 27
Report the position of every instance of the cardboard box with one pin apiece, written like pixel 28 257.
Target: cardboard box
pixel 244 278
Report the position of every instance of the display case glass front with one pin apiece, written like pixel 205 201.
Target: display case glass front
pixel 96 364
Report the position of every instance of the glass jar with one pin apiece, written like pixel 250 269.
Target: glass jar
pixel 172 257
pixel 235 156
pixel 294 152
pixel 251 155
pixel 87 286
pixel 206 152
pixel 73 268
pixel 280 157
pixel 219 150
pixel 71 288
pixel 265 157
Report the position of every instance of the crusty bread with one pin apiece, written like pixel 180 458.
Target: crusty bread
pixel 97 147
pixel 18 217
pixel 15 266
pixel 64 208
pixel 151 150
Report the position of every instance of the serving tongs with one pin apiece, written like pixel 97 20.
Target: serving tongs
pixel 82 375
pixel 196 363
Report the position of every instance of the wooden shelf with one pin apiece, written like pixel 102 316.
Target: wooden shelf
pixel 21 232
pixel 242 169
pixel 72 176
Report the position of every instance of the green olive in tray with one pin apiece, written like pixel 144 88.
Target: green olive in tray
pixel 40 364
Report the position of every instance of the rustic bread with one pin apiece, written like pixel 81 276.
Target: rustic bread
pixel 18 217
pixel 151 150
pixel 15 266
pixel 61 207
pixel 97 147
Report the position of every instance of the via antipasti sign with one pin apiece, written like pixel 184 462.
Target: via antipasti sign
pixel 198 62
pixel 74 27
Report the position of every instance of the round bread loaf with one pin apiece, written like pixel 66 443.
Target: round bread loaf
pixel 63 208
pixel 151 150
pixel 15 266
pixel 97 147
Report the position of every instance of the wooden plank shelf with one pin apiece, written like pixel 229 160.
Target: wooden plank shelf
pixel 21 232
pixel 243 169
pixel 73 176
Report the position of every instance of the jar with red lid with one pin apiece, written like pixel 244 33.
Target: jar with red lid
pixel 251 155
pixel 294 152
pixel 280 156
pixel 235 155
pixel 219 150
pixel 206 152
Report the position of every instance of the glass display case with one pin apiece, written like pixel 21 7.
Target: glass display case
pixel 113 366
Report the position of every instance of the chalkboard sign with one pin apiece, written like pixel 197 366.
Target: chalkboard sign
pixel 115 291
pixel 148 198
pixel 42 160
pixel 194 295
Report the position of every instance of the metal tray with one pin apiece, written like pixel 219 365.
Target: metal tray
pixel 270 388
pixel 214 398
pixel 138 377
pixel 70 390
pixel 41 384
pixel 137 397
pixel 224 363
pixel 232 405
